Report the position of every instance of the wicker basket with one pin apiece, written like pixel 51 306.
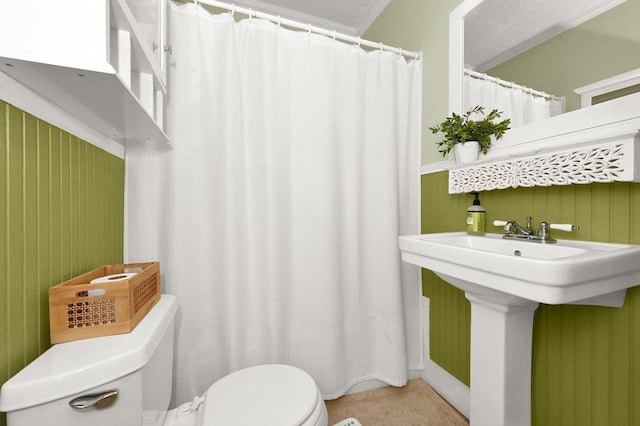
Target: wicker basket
pixel 80 310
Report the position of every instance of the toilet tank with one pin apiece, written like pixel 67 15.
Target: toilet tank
pixel 130 373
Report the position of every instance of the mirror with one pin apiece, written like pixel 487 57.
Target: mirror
pixel 553 47
pixel 609 128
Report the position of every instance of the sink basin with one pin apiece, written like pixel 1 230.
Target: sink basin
pixel 565 272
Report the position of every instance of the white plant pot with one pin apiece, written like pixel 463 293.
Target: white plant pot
pixel 466 152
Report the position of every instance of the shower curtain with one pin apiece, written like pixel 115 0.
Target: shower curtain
pixel 519 106
pixel 275 214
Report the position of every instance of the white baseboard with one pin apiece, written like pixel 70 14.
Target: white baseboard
pixel 449 387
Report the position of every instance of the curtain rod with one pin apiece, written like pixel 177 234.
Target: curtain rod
pixel 307 27
pixel 512 85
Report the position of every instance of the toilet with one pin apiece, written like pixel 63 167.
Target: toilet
pixel 126 380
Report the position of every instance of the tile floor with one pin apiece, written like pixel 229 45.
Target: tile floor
pixel 415 404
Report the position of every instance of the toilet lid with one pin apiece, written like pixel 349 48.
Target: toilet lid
pixel 277 395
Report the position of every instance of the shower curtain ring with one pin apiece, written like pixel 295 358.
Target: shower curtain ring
pixel 279 21
pixel 359 41
pixel 309 28
pixel 233 9
pixel 250 15
pixel 334 35
pixel 401 52
pixel 381 46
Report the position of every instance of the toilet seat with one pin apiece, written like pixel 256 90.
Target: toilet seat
pixel 276 395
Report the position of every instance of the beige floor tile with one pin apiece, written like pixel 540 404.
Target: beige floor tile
pixel 415 404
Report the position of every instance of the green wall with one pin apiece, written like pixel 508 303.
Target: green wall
pixel 61 214
pixel 422 25
pixel 603 47
pixel 586 359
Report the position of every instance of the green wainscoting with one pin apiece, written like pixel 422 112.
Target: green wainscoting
pixel 586 360
pixel 61 214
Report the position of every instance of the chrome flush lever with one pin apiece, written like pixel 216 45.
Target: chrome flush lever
pixel 95 400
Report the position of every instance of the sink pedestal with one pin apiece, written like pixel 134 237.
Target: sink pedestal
pixel 505 280
pixel 501 336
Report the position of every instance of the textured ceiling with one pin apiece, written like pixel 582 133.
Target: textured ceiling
pixel 494 32
pixel 350 17
pixel 498 30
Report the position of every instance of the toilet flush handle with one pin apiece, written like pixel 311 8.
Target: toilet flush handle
pixel 95 400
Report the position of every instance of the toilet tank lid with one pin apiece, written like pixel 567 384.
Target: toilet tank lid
pixel 68 368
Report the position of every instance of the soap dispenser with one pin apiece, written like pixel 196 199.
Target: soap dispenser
pixel 476 217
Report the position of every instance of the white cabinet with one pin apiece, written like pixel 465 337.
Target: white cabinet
pixel 103 61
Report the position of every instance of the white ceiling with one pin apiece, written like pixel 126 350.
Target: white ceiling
pixel 498 30
pixel 495 31
pixel 351 17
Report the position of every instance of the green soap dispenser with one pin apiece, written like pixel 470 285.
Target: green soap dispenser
pixel 476 217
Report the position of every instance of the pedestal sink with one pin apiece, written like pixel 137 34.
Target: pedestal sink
pixel 505 280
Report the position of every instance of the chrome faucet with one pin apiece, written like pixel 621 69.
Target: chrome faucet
pixel 511 227
pixel 514 231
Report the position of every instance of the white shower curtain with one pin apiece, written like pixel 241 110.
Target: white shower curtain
pixel 520 107
pixel 294 167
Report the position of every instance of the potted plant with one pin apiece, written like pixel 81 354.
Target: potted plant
pixel 460 130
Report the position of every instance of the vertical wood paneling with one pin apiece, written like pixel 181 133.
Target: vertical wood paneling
pixel 31 320
pixel 621 358
pixel 448 346
pixel 54 188
pixel 44 228
pixel 586 360
pixel 633 298
pixel 620 212
pixel 61 214
pixel 4 276
pixel 81 172
pixel 601 349
pixel 15 241
pixel 583 365
pixel 65 204
pixel 584 211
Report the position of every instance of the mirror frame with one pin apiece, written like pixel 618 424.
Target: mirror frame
pixel 608 132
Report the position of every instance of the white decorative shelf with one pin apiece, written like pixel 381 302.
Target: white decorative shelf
pixel 603 162
pixel 596 144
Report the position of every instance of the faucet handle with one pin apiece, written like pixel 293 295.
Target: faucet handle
pixel 545 227
pixel 508 225
pixel 566 227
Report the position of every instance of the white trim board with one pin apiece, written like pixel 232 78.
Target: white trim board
pixel 620 81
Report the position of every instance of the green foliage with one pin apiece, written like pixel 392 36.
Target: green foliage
pixel 461 128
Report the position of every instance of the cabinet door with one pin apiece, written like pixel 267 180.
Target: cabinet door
pixel 151 16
